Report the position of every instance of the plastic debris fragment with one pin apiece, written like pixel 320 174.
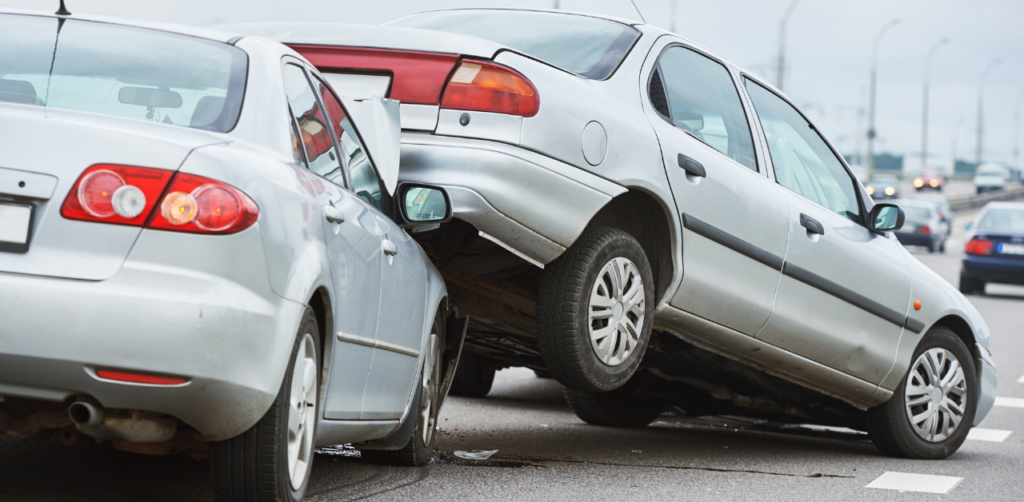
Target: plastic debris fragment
pixel 475 454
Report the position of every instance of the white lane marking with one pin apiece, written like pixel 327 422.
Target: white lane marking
pixel 990 435
pixel 1010 402
pixel 906 482
pixel 1020 380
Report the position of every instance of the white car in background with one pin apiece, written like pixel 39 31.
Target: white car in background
pixel 200 252
pixel 990 177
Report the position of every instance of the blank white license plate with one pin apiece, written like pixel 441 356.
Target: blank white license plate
pixel 1007 248
pixel 14 223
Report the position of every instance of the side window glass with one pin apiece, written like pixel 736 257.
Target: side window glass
pixel 803 161
pixel 365 182
pixel 313 126
pixel 703 101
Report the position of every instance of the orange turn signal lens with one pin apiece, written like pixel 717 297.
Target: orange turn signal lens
pixel 178 208
pixel 917 304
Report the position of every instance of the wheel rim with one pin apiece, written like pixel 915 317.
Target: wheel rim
pixel 428 392
pixel 617 309
pixel 302 398
pixel 936 395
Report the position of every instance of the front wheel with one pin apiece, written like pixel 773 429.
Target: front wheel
pixel 594 311
pixel 272 460
pixel 932 410
pixel 473 377
pixel 619 408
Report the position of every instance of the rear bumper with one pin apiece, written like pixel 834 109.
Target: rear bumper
pixel 227 334
pixel 995 269
pixel 530 203
pixel 908 239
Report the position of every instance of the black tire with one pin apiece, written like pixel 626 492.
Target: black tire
pixel 254 465
pixel 474 376
pixel 970 285
pixel 420 448
pixel 619 408
pixel 563 318
pixel 888 424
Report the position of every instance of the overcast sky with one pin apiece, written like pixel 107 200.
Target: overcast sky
pixel 828 52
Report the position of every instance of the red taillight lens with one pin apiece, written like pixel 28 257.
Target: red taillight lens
pixel 121 376
pixel 487 87
pixel 924 229
pixel 978 246
pixel 201 205
pixel 111 193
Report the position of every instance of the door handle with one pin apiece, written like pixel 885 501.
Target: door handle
pixel 333 214
pixel 390 248
pixel 692 167
pixel 812 225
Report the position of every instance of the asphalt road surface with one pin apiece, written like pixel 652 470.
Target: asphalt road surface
pixel 546 453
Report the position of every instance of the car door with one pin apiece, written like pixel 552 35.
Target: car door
pixel 845 290
pixel 352 240
pixel 400 321
pixel 735 225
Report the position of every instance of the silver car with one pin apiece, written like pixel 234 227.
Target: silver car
pixel 651 225
pixel 200 252
pixel 923 225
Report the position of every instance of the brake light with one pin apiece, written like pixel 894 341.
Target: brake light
pixel 201 205
pixel 978 246
pixel 121 376
pixel 112 193
pixel 924 229
pixel 487 87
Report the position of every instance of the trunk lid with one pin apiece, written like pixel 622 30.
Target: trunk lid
pixel 46 151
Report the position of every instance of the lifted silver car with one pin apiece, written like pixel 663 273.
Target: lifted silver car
pixel 651 224
pixel 199 252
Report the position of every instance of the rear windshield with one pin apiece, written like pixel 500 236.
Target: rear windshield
pixel 914 213
pixel 587 46
pixel 1008 221
pixel 121 71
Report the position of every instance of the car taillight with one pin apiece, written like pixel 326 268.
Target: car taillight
pixel 924 229
pixel 487 87
pixel 121 376
pixel 112 193
pixel 137 196
pixel 978 246
pixel 201 205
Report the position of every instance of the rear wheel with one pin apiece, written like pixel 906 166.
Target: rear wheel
pixel 272 460
pixel 594 311
pixel 932 410
pixel 474 376
pixel 427 404
pixel 618 408
pixel 970 285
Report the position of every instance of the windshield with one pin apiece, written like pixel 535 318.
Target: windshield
pixel 1008 221
pixel 120 71
pixel 917 213
pixel 884 181
pixel 587 46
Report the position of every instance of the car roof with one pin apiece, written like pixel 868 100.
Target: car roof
pixel 192 31
pixel 1005 205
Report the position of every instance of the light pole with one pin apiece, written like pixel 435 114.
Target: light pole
pixel 871 96
pixel 1016 129
pixel 780 77
pixel 956 134
pixel 981 108
pixel 672 19
pixel 924 108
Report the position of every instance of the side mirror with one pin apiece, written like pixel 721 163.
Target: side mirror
pixel 423 207
pixel 969 225
pixel 885 218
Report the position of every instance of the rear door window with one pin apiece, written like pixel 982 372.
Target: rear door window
pixel 703 101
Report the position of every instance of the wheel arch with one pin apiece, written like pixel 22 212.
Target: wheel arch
pixel 654 233
pixel 963 330
pixel 320 302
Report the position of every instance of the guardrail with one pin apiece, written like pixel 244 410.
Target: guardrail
pixel 977 201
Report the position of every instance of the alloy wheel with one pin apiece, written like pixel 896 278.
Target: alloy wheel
pixel 302 398
pixel 617 309
pixel 429 390
pixel 936 395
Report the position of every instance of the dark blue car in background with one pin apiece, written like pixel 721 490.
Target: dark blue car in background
pixel 995 248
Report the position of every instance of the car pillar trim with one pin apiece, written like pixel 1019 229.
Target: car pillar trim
pixel 511 250
pixel 732 242
pixel 376 344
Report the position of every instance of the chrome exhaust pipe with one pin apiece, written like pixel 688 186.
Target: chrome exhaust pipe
pixel 85 414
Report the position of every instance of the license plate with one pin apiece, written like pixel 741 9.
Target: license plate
pixel 1007 248
pixel 15 225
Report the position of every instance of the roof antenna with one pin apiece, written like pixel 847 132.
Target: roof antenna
pixel 631 1
pixel 62 11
